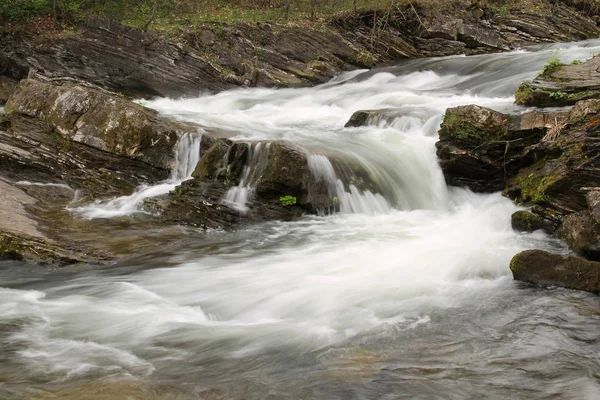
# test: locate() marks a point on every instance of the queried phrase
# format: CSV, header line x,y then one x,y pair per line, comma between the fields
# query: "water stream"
x,y
402,294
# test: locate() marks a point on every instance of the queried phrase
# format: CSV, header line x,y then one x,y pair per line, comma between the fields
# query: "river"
x,y
402,295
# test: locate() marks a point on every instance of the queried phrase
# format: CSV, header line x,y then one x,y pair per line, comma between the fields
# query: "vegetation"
x,y
158,13
459,128
287,200
551,65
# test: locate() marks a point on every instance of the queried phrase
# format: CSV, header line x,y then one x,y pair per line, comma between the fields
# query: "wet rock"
x,y
99,119
274,175
40,251
7,86
360,118
481,148
582,233
524,221
562,85
543,268
21,238
30,151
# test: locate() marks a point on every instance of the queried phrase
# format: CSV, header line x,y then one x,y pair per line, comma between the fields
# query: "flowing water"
x,y
403,294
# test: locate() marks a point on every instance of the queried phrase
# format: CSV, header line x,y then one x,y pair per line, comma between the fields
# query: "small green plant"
x,y
559,95
287,200
503,12
576,62
551,64
539,197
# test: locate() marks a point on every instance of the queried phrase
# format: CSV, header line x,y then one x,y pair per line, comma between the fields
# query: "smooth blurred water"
x,y
407,295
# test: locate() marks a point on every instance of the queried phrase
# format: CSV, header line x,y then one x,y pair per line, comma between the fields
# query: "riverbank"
x,y
216,55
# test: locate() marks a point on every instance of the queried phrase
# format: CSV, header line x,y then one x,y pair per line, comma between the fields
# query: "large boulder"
x,y
31,151
562,85
99,119
481,148
547,269
236,181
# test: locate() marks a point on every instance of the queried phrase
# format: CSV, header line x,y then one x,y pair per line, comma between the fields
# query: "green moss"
x,y
367,58
287,200
64,141
576,62
525,94
535,186
457,127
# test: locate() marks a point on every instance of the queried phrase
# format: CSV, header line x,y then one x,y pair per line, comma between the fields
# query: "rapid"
x,y
402,294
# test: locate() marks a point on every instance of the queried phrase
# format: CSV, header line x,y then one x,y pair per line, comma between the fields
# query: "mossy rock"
x,y
473,125
547,269
524,221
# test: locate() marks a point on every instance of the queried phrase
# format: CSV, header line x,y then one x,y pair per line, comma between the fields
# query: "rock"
x,y
565,167
481,148
385,116
118,58
593,202
99,119
215,56
562,85
47,252
543,268
582,233
359,118
274,174
524,221
30,151
21,239
7,86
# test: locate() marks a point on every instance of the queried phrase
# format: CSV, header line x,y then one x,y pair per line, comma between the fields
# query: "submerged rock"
x,y
562,85
543,268
99,119
481,148
361,118
524,221
22,239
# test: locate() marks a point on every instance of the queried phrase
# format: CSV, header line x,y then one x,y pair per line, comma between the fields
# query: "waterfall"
x,y
349,201
187,155
239,196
